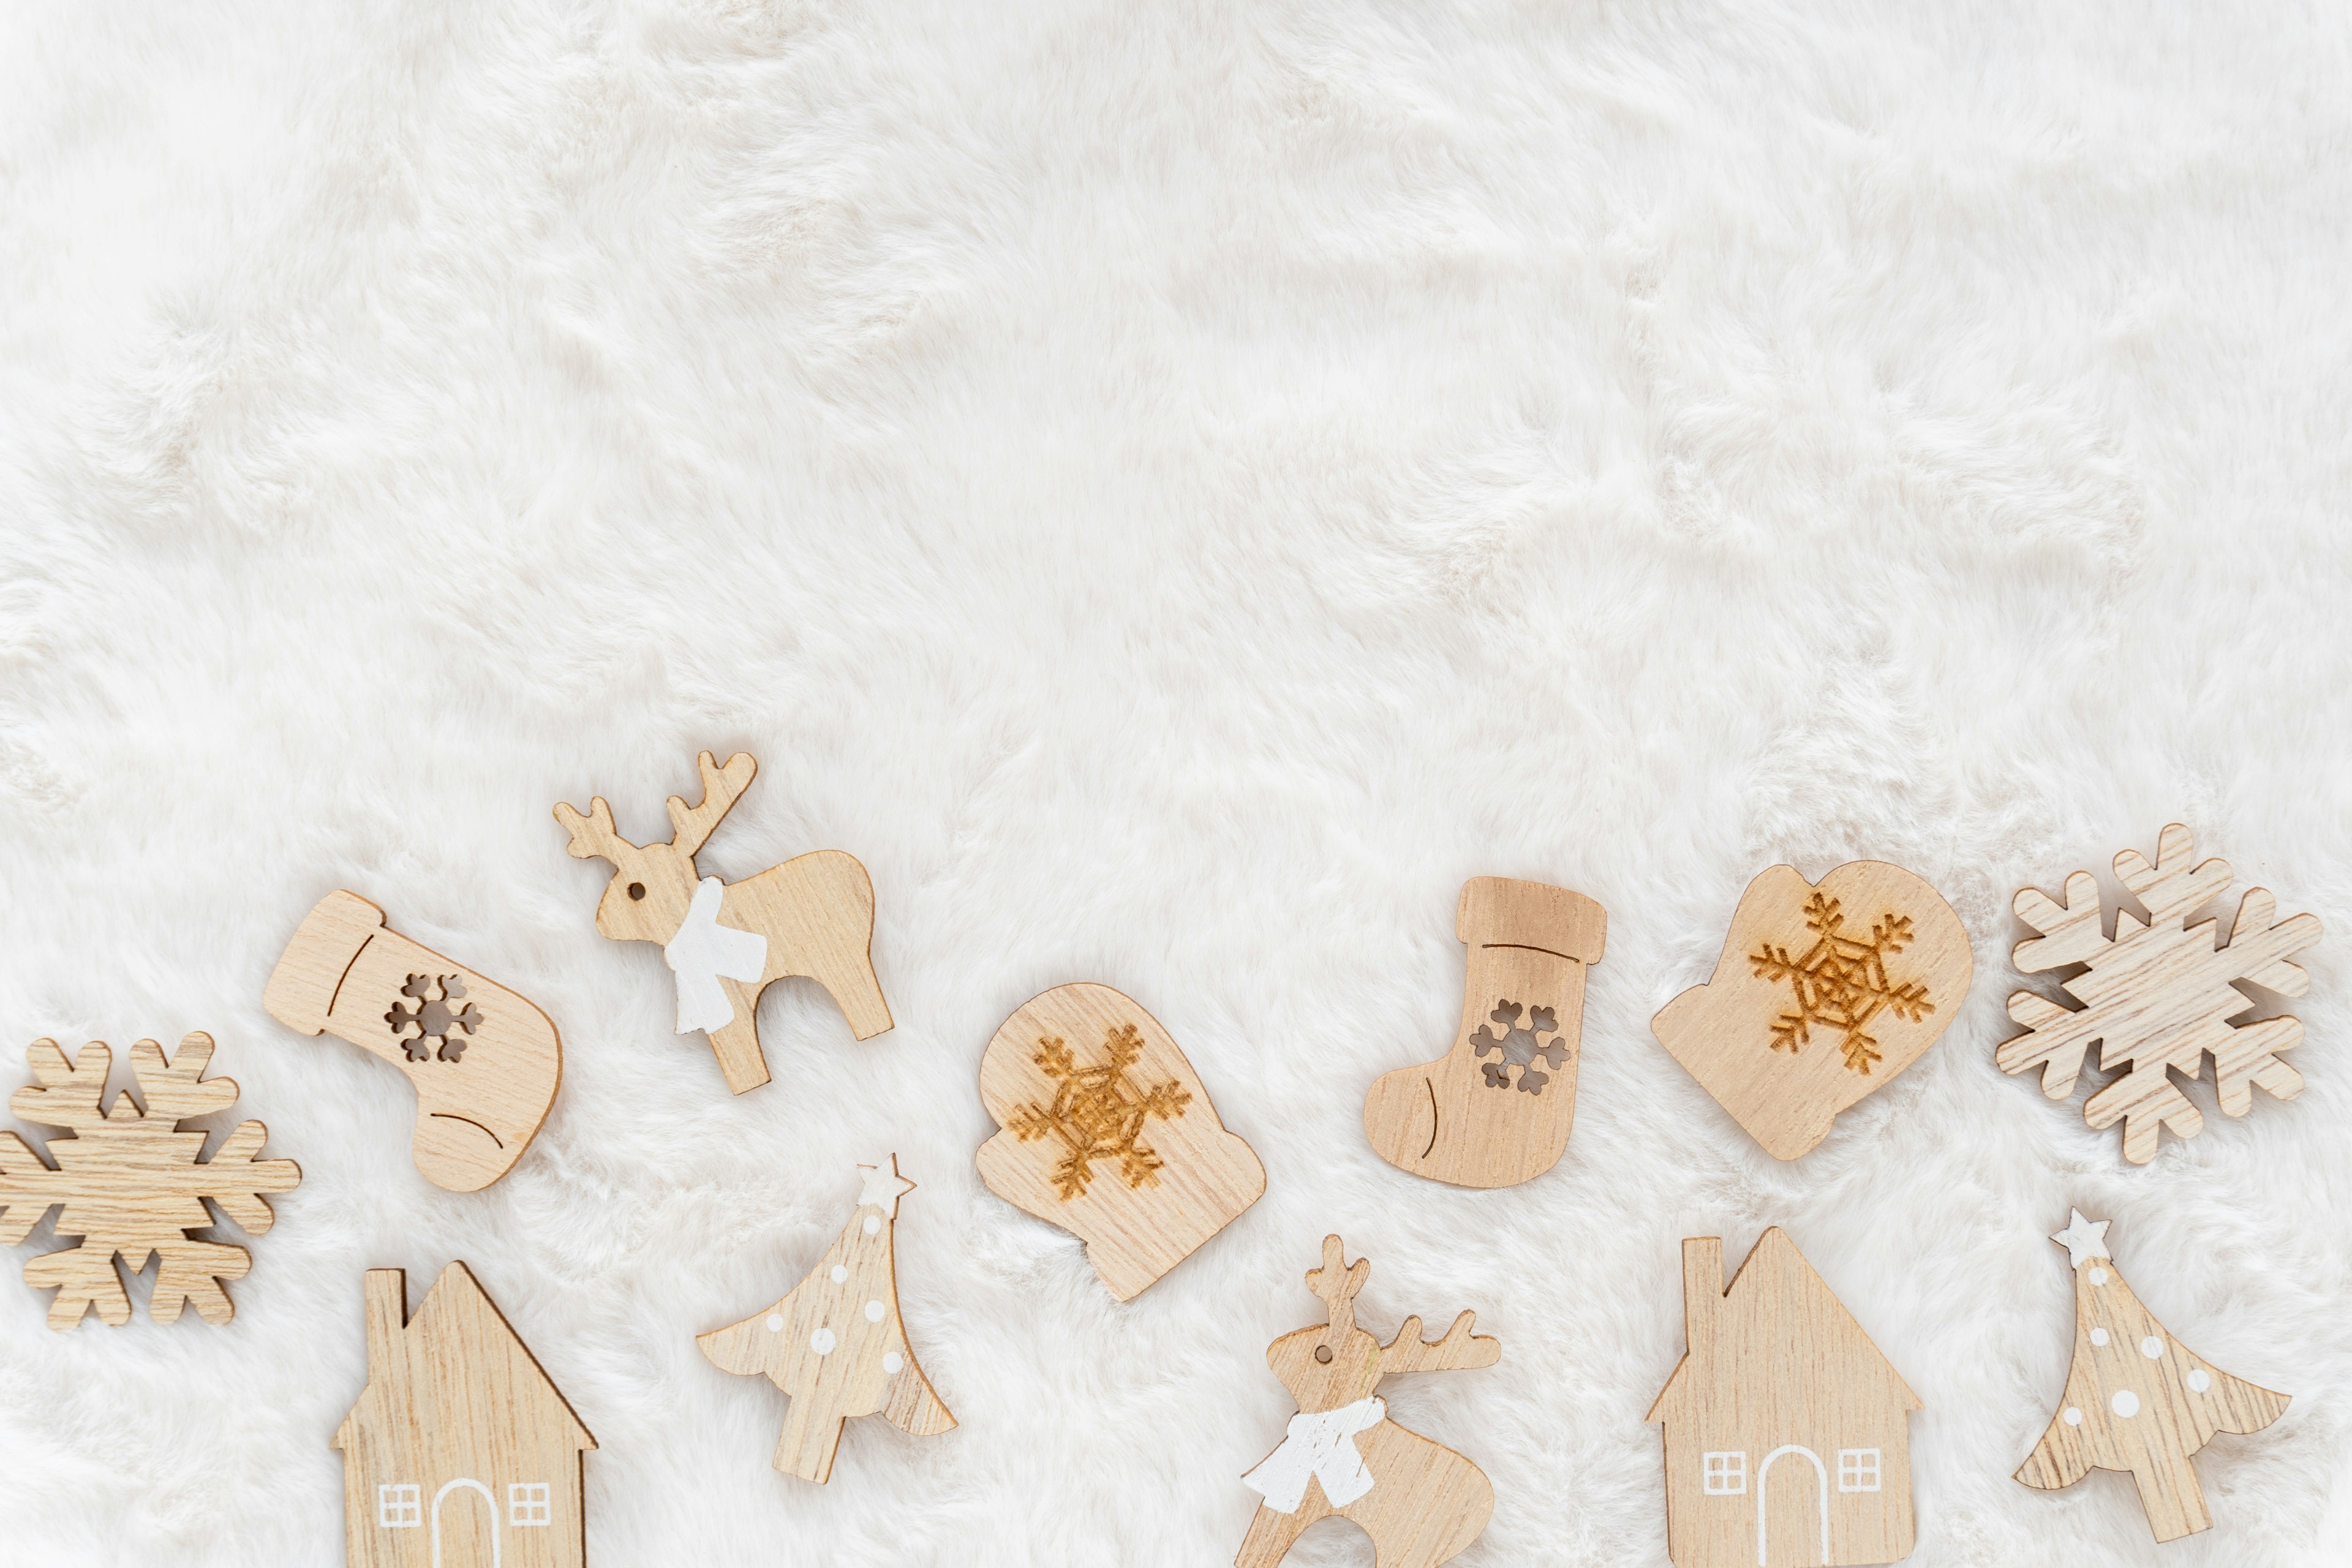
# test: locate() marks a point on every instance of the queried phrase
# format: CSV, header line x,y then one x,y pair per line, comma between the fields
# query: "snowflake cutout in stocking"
x,y
434,1020
1517,1047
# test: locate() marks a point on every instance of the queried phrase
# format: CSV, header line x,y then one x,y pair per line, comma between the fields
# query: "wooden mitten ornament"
x,y
1112,1138
1777,1375
484,1061
1420,1502
460,1449
1496,1108
131,1182
1823,993
2160,995
727,942
835,1343
2138,1399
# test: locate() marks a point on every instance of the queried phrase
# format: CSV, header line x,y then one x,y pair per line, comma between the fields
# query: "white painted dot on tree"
x,y
821,1342
2197,1382
839,1274
2151,1347
2098,1336
2098,1276
2074,1416
873,1312
2126,1403
873,1223
775,1323
892,1363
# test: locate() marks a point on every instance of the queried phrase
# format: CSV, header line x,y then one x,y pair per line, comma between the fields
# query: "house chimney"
x,y
1701,1295
387,1315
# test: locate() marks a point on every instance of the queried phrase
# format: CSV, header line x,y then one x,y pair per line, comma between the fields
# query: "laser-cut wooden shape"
x,y
1109,1134
2138,1399
1495,1110
835,1343
1823,993
1420,1502
727,941
461,1449
129,1181
1788,1435
2159,994
485,1062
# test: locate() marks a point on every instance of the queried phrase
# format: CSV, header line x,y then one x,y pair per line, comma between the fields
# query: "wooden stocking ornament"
x,y
1495,1110
1421,1502
835,1343
1109,1134
727,942
2159,995
2138,1399
461,1449
484,1061
1788,1435
130,1183
1823,993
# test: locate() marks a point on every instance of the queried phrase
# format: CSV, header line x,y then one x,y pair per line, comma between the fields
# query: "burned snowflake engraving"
x,y
1842,981
1520,1047
1098,1112
432,1018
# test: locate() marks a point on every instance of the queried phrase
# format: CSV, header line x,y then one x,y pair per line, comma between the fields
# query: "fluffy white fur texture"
x,y
1175,489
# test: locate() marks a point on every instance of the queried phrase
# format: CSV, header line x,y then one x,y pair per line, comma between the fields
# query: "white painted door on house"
x,y
465,1526
1793,1509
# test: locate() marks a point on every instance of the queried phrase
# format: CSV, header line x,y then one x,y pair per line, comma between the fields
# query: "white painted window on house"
x,y
1857,1469
397,1507
1723,1474
527,1504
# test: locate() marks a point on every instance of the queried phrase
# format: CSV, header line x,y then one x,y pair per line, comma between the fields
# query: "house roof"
x,y
458,1338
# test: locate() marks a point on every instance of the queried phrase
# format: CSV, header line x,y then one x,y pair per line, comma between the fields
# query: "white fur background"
x,y
1175,489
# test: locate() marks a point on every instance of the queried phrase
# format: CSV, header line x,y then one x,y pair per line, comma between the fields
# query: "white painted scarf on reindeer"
x,y
1320,1444
702,950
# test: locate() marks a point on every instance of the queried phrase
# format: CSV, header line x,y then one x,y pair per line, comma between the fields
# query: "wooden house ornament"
x,y
1421,1502
727,942
460,1449
1495,1110
1109,1133
1787,1434
484,1061
1822,995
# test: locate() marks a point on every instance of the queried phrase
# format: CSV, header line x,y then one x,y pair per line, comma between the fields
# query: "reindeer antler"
x,y
721,788
1459,1349
593,835
1338,1284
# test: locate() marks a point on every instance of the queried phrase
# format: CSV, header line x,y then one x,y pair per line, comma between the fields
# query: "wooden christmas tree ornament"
x,y
1109,1134
2138,1399
1823,993
1788,1435
1420,1502
835,1345
1495,1110
129,1183
484,1061
726,942
2159,994
461,1449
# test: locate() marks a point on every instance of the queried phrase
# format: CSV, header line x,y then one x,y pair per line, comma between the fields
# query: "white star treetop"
x,y
2083,1239
883,1187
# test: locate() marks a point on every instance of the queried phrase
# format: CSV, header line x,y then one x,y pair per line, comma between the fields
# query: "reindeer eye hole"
x,y
637,890
1323,1354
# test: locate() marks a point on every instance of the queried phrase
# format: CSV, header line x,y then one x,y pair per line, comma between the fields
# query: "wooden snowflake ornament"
x,y
2138,1399
1421,1502
835,1343
129,1183
2159,995
727,942
1109,1133
1823,993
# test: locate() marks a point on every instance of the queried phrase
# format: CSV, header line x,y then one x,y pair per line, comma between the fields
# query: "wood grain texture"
x,y
485,1062
1496,1108
2159,995
1109,1134
1787,1434
836,1342
815,911
1823,993
460,1449
1424,1503
131,1184
2138,1399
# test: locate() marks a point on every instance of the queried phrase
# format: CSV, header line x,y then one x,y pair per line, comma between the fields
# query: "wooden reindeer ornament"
x,y
484,1060
1420,1502
836,1342
726,942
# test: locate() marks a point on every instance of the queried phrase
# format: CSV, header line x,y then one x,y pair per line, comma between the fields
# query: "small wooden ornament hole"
x,y
1323,1354
637,890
